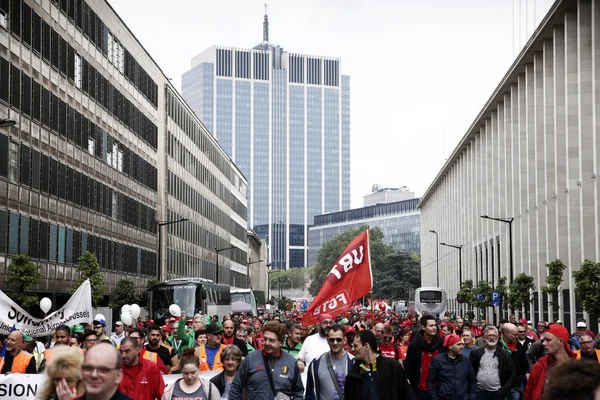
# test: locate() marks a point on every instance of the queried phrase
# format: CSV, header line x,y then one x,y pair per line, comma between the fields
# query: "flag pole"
x,y
369,242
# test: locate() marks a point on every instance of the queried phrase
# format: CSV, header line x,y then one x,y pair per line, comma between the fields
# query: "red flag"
x,y
349,280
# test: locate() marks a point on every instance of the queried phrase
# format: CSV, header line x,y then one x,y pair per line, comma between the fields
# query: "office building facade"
x,y
96,157
530,160
399,221
284,119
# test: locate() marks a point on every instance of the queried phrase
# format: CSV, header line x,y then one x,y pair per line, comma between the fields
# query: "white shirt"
x,y
313,347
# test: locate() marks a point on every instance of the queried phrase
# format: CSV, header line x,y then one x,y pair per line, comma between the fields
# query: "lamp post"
x,y
459,248
292,282
5,122
217,271
508,221
160,224
437,257
248,270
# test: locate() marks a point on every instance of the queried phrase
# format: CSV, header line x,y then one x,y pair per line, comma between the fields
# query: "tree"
x,y
125,293
553,280
483,290
153,282
331,251
285,304
502,288
587,287
295,278
23,273
467,293
520,291
397,276
89,268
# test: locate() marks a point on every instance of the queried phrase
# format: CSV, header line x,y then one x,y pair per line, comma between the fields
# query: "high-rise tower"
x,y
284,119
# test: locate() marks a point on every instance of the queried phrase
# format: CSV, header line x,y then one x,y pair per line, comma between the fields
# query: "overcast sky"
x,y
420,70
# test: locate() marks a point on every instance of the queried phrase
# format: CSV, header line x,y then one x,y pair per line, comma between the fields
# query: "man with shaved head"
x,y
16,360
378,331
511,335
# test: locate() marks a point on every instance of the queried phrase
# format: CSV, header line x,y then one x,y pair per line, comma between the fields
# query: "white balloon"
x,y
126,318
135,311
99,317
45,304
125,309
175,310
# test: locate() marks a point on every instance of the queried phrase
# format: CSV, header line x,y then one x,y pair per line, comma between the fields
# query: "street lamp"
x,y
508,221
5,122
437,257
459,247
218,251
160,224
248,270
292,282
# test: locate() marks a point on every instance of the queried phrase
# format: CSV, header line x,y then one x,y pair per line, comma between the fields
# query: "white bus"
x,y
430,299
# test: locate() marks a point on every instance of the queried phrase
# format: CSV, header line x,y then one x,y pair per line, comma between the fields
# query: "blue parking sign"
x,y
496,298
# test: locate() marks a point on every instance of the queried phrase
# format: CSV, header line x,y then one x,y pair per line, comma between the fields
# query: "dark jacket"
x,y
519,358
313,385
391,381
506,368
451,379
414,356
219,382
534,353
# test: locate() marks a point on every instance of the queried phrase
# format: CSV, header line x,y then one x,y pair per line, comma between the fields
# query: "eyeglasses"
x,y
586,343
91,340
89,369
335,340
387,338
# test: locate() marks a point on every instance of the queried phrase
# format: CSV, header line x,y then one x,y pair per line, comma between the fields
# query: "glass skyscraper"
x,y
284,119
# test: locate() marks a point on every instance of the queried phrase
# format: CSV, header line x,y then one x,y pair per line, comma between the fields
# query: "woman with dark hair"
x,y
231,356
192,385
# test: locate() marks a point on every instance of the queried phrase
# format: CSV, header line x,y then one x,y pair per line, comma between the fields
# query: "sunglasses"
x,y
522,331
335,340
387,338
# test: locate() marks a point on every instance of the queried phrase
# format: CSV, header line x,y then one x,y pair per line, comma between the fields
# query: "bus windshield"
x,y
430,296
184,296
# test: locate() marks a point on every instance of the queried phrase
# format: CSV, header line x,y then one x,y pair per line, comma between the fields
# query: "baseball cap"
x,y
171,320
581,324
99,321
167,328
523,321
119,323
213,329
451,340
27,338
344,321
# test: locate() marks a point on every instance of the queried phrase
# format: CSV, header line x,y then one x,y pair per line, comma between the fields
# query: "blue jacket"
x,y
451,379
313,386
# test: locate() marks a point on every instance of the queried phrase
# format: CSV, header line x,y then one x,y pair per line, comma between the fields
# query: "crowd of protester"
x,y
361,354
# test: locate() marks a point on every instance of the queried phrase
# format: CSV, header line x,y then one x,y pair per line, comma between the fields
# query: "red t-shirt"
x,y
390,351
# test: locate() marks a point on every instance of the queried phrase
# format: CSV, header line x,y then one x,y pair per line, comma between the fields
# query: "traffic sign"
x,y
496,300
479,297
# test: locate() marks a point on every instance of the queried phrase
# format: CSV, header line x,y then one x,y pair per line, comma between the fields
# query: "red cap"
x,y
561,332
349,329
172,319
451,339
523,321
325,316
151,321
190,320
167,328
369,315
244,321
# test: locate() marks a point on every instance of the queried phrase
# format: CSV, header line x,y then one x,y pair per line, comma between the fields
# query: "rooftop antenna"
x,y
266,27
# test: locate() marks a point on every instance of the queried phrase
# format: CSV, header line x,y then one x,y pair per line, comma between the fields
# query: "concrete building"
x,y
529,157
399,221
103,147
284,118
383,195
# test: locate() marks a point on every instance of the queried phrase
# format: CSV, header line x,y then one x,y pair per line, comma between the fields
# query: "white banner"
x,y
24,386
77,310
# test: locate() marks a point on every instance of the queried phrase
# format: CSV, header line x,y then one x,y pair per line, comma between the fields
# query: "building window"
x,y
78,71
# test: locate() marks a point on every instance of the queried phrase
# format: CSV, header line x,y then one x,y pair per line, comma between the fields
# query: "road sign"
x,y
460,300
495,298
479,297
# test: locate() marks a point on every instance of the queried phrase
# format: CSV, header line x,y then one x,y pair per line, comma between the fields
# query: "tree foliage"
x,y
483,289
88,268
152,282
520,291
293,277
467,292
331,251
502,288
554,280
285,304
23,273
397,276
587,287
125,293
